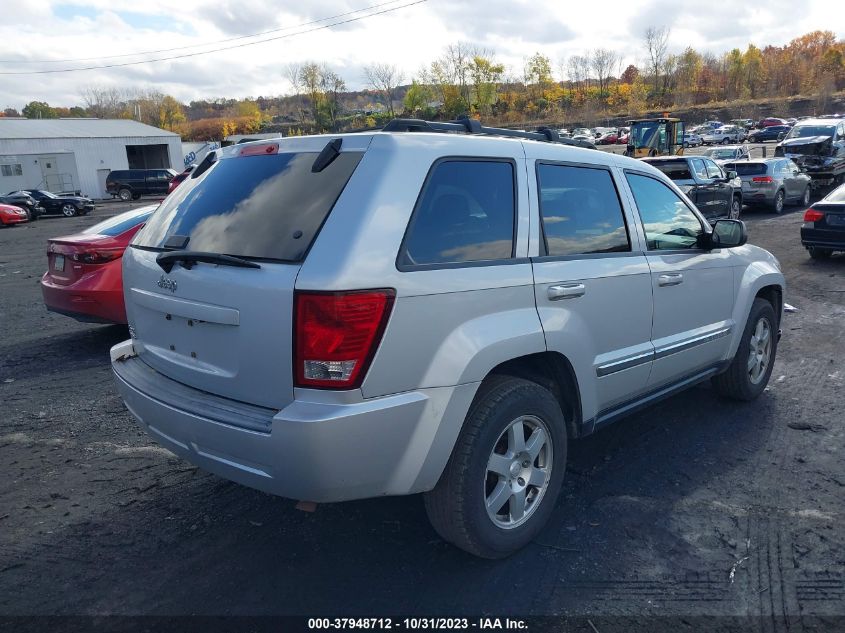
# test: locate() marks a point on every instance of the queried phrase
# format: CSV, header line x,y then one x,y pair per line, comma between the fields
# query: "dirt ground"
x,y
695,507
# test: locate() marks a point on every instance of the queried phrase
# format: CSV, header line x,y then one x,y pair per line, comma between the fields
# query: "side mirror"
x,y
728,234
731,175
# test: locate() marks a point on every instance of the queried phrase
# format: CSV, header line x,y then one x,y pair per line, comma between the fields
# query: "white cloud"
x,y
410,37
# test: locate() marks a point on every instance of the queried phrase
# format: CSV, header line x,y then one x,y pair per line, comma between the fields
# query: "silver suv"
x,y
411,311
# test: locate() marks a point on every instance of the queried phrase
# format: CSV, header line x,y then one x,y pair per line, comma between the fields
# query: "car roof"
x,y
819,121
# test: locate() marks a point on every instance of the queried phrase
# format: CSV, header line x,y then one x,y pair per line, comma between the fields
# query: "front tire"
x,y
68,210
501,483
736,207
749,371
805,199
124,194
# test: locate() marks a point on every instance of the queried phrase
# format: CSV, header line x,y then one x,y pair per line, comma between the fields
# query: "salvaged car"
x,y
817,146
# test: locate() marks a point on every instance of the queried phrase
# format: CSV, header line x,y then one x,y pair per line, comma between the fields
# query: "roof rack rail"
x,y
465,125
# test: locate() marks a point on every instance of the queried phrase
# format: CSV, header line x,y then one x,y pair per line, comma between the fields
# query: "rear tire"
x,y
819,253
124,194
777,205
749,371
494,465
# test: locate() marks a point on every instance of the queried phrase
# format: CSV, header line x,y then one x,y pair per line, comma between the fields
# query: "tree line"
x,y
468,79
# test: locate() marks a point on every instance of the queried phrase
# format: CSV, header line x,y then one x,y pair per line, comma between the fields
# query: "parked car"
x,y
83,278
773,182
691,139
770,133
60,204
11,215
818,147
24,201
178,178
730,153
608,138
823,231
131,184
717,194
725,134
771,121
360,315
746,124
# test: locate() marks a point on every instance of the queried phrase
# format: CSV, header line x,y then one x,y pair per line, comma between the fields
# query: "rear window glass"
x,y
265,207
465,214
121,223
747,169
675,169
837,195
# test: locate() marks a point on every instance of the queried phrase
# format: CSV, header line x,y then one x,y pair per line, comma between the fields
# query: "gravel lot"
x,y
697,506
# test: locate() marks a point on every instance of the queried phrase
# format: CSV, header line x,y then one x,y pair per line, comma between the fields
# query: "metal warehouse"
x,y
64,155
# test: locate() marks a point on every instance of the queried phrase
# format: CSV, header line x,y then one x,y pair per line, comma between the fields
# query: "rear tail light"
x,y
259,150
97,257
811,215
336,335
766,179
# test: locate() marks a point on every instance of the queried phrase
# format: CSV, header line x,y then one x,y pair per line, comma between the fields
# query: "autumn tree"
x,y
602,63
656,44
385,80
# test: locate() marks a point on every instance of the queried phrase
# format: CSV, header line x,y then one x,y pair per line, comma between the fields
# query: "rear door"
x,y
693,288
157,181
587,270
222,329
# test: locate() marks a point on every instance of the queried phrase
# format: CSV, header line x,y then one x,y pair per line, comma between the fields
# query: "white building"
x,y
77,154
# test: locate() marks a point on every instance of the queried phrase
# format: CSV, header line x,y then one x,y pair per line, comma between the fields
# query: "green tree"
x,y
417,97
39,110
485,75
538,74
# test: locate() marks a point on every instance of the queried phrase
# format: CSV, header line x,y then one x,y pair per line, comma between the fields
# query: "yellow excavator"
x,y
655,137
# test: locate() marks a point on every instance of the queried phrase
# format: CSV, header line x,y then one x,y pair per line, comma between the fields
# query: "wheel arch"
x,y
762,280
553,371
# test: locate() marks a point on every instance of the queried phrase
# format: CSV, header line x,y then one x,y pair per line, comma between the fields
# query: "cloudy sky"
x,y
39,35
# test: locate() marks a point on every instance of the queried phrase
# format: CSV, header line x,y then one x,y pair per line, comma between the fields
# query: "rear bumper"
x,y
821,238
84,304
13,219
317,450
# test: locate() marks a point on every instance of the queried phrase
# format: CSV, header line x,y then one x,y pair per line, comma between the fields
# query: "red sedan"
x,y
83,278
10,215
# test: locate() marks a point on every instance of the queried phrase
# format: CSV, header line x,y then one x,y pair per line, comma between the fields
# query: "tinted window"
x,y
269,206
580,210
747,169
837,195
675,169
465,214
121,223
803,131
668,222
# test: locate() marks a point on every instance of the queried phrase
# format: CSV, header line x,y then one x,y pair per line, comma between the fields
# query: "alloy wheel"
x,y
760,351
736,208
69,210
518,472
779,202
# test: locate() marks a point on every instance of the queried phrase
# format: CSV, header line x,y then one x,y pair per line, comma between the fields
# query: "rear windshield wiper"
x,y
188,258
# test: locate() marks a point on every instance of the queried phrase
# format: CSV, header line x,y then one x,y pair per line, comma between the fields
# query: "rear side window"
x,y
581,211
465,214
264,206
675,169
747,169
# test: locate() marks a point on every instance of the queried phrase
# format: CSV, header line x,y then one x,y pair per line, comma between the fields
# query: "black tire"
x,y
457,505
736,382
69,210
819,253
124,194
725,141
805,198
136,196
779,202
736,208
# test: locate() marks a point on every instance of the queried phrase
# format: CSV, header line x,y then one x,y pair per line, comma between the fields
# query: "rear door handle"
x,y
670,279
566,291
